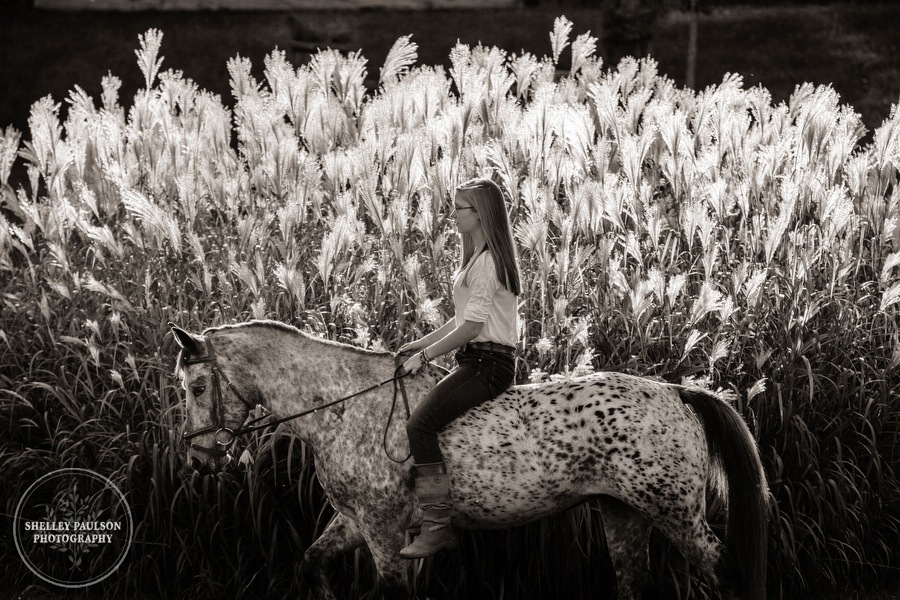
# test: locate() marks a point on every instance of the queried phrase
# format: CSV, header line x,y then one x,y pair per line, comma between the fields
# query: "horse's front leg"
x,y
339,537
385,538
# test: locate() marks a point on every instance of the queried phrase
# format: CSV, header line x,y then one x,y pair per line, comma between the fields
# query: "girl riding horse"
x,y
483,332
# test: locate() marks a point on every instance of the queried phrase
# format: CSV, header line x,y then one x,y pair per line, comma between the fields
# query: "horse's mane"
x,y
291,330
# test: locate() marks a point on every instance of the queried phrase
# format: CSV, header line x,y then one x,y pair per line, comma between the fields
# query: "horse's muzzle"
x,y
204,464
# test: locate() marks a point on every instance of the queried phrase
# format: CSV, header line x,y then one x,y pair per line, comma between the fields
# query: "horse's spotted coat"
x,y
540,447
530,453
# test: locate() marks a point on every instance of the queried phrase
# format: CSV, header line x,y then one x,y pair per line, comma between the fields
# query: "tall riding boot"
x,y
433,492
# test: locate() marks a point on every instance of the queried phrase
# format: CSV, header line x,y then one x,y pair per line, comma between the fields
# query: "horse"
x,y
647,450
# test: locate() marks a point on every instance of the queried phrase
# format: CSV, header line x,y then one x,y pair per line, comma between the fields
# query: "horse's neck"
x,y
306,373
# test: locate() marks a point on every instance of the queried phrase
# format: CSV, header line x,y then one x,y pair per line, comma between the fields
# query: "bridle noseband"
x,y
225,437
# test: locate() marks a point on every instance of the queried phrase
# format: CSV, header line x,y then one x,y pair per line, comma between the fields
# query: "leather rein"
x,y
225,437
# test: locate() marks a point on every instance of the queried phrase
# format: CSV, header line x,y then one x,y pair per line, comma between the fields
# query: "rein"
x,y
224,437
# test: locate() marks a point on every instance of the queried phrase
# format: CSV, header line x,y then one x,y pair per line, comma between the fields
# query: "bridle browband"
x,y
224,437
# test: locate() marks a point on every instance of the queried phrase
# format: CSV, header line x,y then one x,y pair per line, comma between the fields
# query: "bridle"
x,y
225,437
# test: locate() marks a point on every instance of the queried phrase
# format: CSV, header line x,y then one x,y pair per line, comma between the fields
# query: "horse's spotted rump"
x,y
632,443
541,446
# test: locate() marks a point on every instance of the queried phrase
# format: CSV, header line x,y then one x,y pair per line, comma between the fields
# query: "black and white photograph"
x,y
450,300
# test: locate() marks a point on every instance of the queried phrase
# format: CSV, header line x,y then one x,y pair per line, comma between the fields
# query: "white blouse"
x,y
486,301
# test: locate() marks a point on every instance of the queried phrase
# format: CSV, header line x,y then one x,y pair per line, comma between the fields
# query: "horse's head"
x,y
215,407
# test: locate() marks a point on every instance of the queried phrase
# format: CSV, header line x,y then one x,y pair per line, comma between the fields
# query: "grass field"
x,y
744,237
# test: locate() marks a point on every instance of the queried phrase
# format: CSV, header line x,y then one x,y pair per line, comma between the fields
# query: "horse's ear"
x,y
191,344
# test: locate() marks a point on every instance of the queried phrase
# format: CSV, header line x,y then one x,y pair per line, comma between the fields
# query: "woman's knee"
x,y
419,424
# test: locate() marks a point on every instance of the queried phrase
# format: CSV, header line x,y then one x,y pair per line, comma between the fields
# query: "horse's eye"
x,y
198,390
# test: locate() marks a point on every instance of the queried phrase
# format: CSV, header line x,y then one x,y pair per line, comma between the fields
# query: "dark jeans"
x,y
480,376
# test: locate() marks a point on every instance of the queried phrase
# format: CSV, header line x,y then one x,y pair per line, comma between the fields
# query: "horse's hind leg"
x,y
699,545
340,536
627,538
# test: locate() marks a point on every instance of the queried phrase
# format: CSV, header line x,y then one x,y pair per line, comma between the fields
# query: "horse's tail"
x,y
732,446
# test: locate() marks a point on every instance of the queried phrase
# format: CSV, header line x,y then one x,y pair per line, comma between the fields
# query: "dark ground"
x,y
854,47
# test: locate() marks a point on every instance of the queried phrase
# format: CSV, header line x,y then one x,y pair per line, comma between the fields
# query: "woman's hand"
x,y
410,348
414,363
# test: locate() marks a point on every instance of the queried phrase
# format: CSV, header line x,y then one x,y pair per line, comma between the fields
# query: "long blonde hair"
x,y
487,199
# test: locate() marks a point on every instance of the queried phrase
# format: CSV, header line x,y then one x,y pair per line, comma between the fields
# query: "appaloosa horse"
x,y
648,450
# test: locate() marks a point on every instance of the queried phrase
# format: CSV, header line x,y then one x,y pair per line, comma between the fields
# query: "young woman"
x,y
483,332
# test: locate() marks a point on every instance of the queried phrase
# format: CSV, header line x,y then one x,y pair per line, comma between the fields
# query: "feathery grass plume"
x,y
587,213
536,134
410,163
429,89
847,133
675,287
718,197
326,125
411,269
890,297
33,214
464,72
46,137
282,80
82,117
559,37
576,128
758,387
720,351
247,277
525,68
788,195
605,98
891,261
531,233
402,55
709,300
9,147
895,352
672,128
502,167
11,238
635,104
494,83
816,114
110,84
241,81
397,226
836,211
92,284
694,337
691,217
104,236
160,225
583,49
753,287
656,281
148,57
291,280
886,152
347,80
710,257
633,151
641,300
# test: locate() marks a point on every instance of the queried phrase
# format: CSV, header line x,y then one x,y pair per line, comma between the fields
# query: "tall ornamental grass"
x,y
668,232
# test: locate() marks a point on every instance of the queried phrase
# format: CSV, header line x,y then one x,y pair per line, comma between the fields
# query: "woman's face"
x,y
467,219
